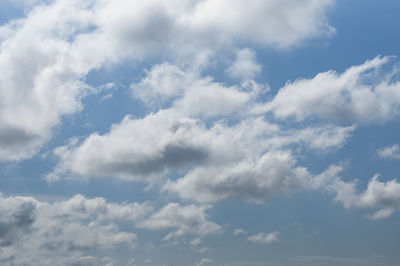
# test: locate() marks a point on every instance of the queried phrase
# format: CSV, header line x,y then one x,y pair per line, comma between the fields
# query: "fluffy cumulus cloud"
x,y
207,135
188,220
362,94
45,56
263,238
390,152
63,233
87,231
383,196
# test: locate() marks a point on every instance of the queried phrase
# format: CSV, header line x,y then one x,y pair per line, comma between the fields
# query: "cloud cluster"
x,y
206,134
45,56
83,231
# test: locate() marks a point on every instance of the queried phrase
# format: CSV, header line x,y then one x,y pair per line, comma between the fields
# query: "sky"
x,y
199,132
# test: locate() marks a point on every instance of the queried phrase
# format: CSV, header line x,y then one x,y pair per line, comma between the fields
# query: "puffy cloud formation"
x,y
245,65
186,220
391,152
86,231
63,233
384,196
264,238
362,94
45,56
206,135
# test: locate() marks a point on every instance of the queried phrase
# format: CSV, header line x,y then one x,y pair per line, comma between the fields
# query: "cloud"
x,y
362,94
391,152
40,80
249,158
82,231
188,220
65,232
272,174
267,22
239,231
265,239
205,131
384,196
46,55
245,65
188,93
204,261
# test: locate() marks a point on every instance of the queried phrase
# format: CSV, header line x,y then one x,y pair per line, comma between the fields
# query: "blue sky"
x,y
201,132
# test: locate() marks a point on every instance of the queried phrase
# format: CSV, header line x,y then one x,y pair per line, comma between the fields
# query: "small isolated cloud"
x,y
132,262
239,231
384,196
263,238
382,214
205,261
362,94
391,152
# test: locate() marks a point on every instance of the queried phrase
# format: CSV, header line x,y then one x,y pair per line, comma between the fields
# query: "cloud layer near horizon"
x,y
82,230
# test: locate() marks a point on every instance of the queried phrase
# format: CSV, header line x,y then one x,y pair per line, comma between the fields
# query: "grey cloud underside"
x,y
172,156
16,138
18,222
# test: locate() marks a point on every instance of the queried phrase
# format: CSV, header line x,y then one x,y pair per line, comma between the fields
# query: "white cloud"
x,y
382,214
282,23
89,231
250,159
191,94
362,94
204,261
272,174
188,220
66,232
162,83
245,66
391,152
40,77
45,56
143,149
262,238
384,196
239,231
206,130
